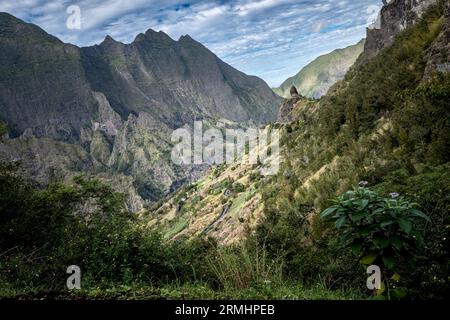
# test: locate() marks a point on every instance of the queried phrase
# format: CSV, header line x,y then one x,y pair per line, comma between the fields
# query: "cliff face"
x,y
438,55
332,143
174,81
110,109
43,88
395,16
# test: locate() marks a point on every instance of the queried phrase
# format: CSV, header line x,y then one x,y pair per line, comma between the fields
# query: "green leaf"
x,y
381,242
397,243
328,211
363,203
396,277
356,248
358,216
405,225
389,262
340,222
399,293
386,223
368,259
420,214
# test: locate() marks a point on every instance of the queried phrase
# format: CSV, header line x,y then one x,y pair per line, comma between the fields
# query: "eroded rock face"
x,y
285,113
395,16
109,110
438,55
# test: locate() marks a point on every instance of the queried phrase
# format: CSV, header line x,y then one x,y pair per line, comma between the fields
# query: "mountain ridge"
x,y
314,80
118,102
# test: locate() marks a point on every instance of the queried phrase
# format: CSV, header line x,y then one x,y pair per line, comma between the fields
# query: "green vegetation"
x,y
384,124
380,232
43,231
315,79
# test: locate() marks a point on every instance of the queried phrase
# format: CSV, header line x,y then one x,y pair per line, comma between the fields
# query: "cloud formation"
x,y
272,39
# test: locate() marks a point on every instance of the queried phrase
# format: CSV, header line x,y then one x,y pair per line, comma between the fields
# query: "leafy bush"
x,y
378,230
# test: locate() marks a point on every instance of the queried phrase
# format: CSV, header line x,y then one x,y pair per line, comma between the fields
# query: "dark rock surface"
x,y
285,112
109,109
395,16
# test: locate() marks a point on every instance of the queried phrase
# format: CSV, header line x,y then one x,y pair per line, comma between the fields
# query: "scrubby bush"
x,y
380,231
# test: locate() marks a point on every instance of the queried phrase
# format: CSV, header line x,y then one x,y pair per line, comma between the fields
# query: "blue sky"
x,y
272,39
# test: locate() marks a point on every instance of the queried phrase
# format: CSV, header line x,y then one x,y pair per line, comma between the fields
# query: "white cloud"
x,y
269,38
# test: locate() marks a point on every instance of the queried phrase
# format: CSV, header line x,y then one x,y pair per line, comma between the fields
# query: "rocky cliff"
x,y
395,16
109,109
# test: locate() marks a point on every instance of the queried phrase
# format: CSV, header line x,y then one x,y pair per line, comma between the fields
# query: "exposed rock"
x,y
438,56
294,91
285,112
395,16
110,109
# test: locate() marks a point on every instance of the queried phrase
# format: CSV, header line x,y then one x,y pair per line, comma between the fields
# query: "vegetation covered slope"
x,y
314,80
386,123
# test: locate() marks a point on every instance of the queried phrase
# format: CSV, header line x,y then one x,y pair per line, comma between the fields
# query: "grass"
x,y
180,225
194,291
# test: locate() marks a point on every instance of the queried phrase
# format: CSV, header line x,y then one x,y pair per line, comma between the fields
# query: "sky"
x,y
272,39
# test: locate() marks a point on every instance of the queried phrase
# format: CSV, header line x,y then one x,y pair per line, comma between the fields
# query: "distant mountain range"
x,y
109,109
314,80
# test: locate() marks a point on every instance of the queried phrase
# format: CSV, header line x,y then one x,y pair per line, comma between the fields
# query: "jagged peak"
x,y
110,42
108,38
157,35
186,38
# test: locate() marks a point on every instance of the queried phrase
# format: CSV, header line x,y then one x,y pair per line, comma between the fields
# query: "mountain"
x,y
314,80
387,122
110,109
395,17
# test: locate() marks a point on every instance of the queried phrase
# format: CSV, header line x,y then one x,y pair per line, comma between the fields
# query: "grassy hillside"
x,y
238,234
314,80
384,123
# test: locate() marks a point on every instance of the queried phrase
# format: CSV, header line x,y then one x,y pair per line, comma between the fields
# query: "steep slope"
x,y
394,17
116,104
174,81
314,80
43,84
388,120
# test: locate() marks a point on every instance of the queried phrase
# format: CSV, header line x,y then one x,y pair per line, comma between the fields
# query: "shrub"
x,y
378,230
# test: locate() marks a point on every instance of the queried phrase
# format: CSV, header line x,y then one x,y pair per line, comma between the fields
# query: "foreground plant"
x,y
380,231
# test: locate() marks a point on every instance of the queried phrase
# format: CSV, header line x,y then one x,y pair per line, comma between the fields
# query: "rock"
x,y
395,16
294,92
285,111
110,109
438,55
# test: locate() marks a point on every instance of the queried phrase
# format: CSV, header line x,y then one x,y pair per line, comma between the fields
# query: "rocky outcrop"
x,y
438,55
395,16
285,111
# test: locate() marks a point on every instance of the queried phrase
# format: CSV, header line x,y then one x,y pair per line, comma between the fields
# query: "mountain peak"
x,y
159,36
109,39
186,38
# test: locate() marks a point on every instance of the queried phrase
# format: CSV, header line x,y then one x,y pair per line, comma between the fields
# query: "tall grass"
x,y
242,267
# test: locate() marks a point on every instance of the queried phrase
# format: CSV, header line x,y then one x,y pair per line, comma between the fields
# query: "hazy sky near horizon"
x,y
272,39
